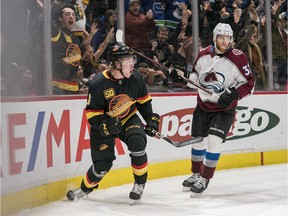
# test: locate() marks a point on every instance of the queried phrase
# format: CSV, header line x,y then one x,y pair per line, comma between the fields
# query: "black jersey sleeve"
x,y
144,100
95,107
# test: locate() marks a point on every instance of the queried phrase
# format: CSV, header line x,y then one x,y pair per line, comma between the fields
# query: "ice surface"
x,y
255,191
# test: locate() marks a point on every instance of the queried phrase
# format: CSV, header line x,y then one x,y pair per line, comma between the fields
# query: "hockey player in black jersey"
x,y
107,93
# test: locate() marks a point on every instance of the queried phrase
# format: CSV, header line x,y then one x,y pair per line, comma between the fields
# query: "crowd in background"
x,y
160,31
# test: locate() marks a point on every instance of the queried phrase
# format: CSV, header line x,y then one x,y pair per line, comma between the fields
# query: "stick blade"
x,y
189,142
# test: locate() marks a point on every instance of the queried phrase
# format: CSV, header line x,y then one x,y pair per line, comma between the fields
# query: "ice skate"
x,y
136,193
199,186
76,193
187,184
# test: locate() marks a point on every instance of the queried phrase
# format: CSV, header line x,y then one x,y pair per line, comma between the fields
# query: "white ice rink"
x,y
255,191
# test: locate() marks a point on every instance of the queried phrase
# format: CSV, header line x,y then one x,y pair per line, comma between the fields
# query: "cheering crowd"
x,y
83,32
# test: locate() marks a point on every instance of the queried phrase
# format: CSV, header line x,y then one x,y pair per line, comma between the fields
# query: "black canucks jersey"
x,y
66,59
104,88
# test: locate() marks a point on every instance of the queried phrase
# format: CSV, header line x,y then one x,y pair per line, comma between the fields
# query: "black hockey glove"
x,y
227,98
110,126
152,124
175,76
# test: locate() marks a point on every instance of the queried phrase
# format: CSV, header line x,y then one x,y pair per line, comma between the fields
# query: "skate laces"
x,y
138,189
201,183
79,193
193,178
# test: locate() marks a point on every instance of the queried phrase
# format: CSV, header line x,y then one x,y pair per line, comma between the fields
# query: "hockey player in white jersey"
x,y
226,73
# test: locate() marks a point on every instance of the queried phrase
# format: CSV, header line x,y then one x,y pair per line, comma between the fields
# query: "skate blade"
x,y
133,202
194,195
67,200
186,189
75,199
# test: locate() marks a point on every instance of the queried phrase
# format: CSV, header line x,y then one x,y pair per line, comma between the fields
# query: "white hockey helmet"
x,y
222,29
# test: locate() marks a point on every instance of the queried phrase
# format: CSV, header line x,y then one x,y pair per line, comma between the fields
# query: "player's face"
x,y
223,42
128,66
68,18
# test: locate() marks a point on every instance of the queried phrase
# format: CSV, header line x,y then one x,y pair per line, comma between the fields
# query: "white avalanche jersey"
x,y
219,72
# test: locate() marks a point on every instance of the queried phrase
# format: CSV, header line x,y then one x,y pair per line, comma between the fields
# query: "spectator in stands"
x,y
159,8
279,44
137,28
90,58
101,65
251,44
242,4
22,77
88,62
160,49
185,51
66,52
105,24
174,10
151,76
80,24
83,88
251,13
97,8
183,18
207,22
78,29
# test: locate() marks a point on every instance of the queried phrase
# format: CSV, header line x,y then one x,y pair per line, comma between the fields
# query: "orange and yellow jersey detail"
x,y
57,37
85,2
106,75
66,85
88,183
144,99
92,113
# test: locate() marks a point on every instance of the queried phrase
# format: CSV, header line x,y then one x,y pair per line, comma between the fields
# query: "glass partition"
x,y
76,36
22,62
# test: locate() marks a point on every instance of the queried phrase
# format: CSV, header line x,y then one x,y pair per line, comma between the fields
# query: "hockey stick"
x,y
198,86
119,107
119,39
178,144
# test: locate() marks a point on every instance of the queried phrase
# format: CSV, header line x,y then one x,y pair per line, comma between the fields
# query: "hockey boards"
x,y
178,144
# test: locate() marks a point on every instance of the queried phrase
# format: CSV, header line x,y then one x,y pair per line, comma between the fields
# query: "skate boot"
x,y
199,186
76,193
187,184
136,192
